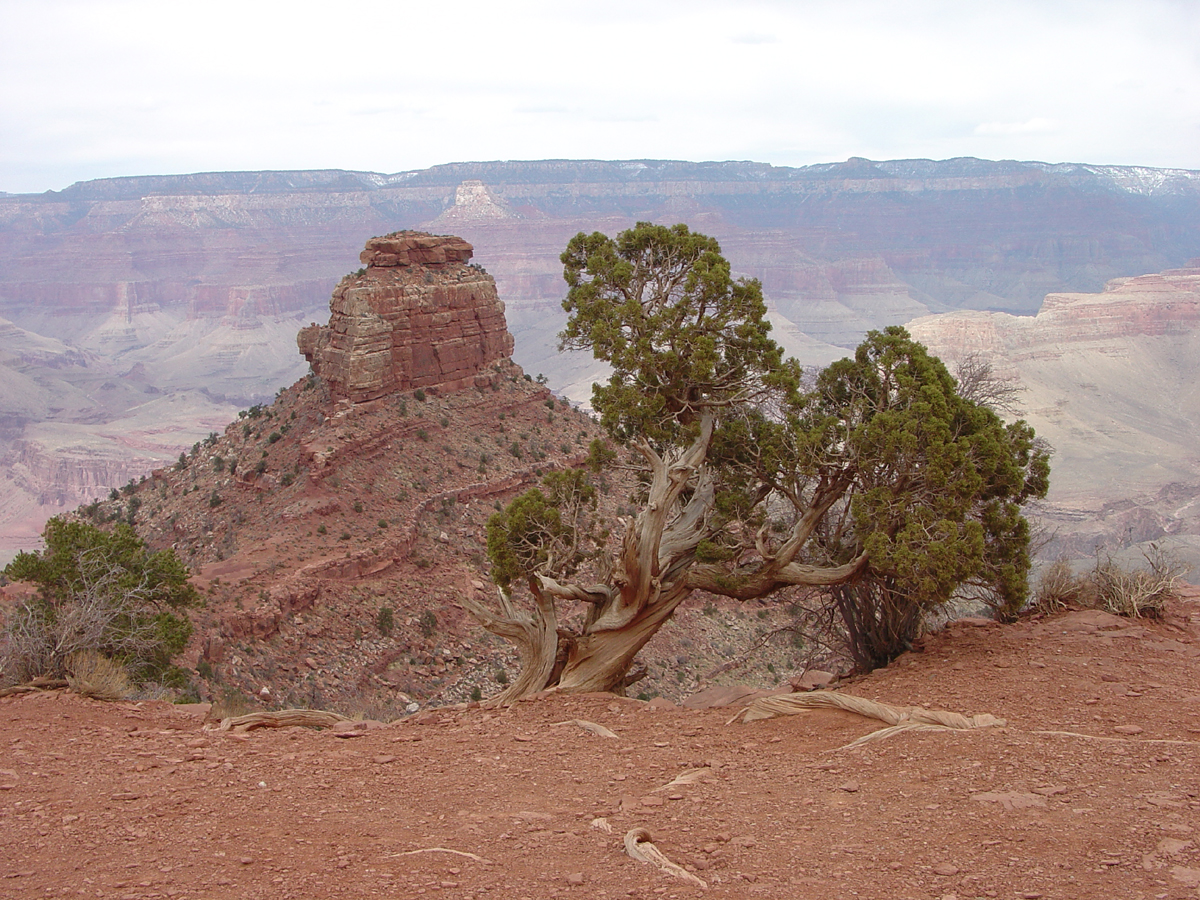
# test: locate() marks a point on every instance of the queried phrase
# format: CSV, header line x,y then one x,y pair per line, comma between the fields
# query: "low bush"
x,y
1124,591
101,593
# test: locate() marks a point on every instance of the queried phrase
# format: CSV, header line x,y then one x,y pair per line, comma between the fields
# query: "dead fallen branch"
x,y
486,862
32,687
638,846
691,776
284,718
595,729
1120,740
896,718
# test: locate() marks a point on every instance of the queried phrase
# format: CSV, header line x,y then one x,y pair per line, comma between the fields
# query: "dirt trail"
x,y
140,801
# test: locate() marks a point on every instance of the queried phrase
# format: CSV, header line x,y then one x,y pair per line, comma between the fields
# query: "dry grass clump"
x,y
1130,592
97,676
1057,588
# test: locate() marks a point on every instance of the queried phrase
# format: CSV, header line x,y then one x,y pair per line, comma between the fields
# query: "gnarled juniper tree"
x,y
878,473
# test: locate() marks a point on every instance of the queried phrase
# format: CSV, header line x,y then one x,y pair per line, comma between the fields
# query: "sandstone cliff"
x,y
417,317
1112,380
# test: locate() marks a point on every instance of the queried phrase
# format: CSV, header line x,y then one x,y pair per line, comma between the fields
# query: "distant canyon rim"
x,y
137,315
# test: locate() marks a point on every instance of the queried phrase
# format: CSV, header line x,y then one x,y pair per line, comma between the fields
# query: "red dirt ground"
x,y
146,801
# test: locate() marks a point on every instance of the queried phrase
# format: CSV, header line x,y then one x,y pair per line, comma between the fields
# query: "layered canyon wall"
x,y
165,303
1112,381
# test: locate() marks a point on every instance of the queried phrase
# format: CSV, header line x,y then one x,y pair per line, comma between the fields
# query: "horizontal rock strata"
x,y
418,316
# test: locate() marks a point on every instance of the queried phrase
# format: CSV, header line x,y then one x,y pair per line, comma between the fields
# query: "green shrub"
x,y
419,395
476,694
501,677
358,507
428,623
321,529
273,437
214,499
99,592
385,620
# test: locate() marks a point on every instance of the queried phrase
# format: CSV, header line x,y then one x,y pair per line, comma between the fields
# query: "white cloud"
x,y
89,89
1032,126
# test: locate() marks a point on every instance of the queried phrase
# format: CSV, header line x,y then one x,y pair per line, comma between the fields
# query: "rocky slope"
x,y
334,530
1110,379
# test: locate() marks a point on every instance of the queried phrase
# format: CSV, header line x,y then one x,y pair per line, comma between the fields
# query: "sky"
x,y
98,89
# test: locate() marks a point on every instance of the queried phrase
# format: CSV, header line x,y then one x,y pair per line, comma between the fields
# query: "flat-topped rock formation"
x,y
418,316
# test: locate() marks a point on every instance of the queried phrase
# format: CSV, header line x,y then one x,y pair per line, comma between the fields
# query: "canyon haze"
x,y
137,315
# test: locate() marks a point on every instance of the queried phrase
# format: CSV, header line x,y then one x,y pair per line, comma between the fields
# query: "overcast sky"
x,y
96,89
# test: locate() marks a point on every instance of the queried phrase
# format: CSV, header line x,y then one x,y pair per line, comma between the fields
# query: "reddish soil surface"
x,y
146,800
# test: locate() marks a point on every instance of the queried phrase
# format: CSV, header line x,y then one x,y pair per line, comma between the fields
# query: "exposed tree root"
x,y
897,718
638,846
1120,740
477,858
312,718
598,730
691,776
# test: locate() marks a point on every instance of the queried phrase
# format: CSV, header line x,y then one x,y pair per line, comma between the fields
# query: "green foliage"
x,y
544,528
98,591
660,307
385,620
419,395
273,437
877,476
938,486
428,623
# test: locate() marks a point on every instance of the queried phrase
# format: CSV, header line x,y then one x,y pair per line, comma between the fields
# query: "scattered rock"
x,y
1128,729
813,680
945,869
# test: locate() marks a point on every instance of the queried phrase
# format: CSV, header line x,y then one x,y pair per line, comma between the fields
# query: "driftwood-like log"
x,y
284,718
32,687
638,846
896,718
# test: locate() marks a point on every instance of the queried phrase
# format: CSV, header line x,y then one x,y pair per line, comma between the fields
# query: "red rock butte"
x,y
418,316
